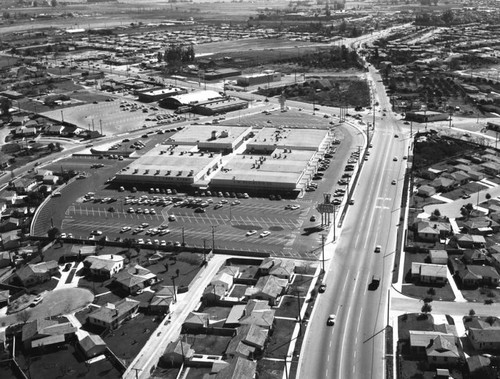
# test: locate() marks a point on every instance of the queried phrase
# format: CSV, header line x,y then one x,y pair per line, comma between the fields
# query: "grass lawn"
x,y
300,283
238,290
217,313
46,286
306,268
131,336
95,285
479,295
107,298
420,291
66,362
289,306
270,369
207,344
187,271
197,372
280,339
165,373
410,321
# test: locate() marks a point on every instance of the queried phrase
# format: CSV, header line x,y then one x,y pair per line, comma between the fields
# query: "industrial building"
x,y
264,77
223,139
170,165
426,116
218,106
158,94
268,139
190,99
221,73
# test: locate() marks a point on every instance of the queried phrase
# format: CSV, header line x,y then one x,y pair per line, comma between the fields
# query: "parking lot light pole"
x,y
183,241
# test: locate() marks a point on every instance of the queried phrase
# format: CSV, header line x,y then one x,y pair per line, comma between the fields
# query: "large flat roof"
x,y
194,134
156,163
304,139
274,169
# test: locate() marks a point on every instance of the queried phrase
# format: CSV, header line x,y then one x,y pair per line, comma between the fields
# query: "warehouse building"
x,y
158,94
221,73
177,166
215,138
219,106
268,139
190,99
426,116
264,77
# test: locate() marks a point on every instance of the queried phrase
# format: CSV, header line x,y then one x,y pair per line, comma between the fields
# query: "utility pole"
x,y
183,241
213,239
175,292
322,254
136,370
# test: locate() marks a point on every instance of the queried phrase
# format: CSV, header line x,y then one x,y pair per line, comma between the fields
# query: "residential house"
x,y
223,280
3,206
481,225
475,256
476,175
5,259
4,298
484,339
443,184
54,129
281,268
494,260
196,321
33,274
421,339
92,345
439,257
429,273
213,293
160,303
257,312
79,252
177,353
475,276
234,271
479,367
239,368
10,240
468,241
491,168
104,266
443,351
10,198
135,278
111,315
459,177
426,191
42,173
23,185
249,342
268,288
43,332
433,231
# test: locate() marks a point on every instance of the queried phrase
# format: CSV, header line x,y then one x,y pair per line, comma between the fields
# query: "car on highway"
x,y
378,248
322,288
393,182
251,232
396,136
351,202
395,159
331,320
313,218
265,233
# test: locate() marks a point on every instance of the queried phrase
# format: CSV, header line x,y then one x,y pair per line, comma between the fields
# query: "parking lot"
x,y
292,231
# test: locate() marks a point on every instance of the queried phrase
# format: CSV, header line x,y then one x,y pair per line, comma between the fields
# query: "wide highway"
x,y
355,346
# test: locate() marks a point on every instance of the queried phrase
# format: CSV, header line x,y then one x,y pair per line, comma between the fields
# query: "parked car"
x,y
265,233
251,233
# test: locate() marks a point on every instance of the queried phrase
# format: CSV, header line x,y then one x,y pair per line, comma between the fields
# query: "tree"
x,y
426,308
166,267
5,105
487,196
52,233
448,17
436,212
23,316
472,312
431,291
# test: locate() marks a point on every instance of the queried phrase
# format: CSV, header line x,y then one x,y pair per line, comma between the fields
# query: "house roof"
x,y
223,278
278,266
133,276
263,318
104,262
34,269
429,269
215,289
90,341
485,335
165,291
443,346
470,238
44,327
271,285
239,368
181,348
109,312
476,362
422,338
83,250
197,318
237,311
158,301
438,254
432,227
483,271
231,270
442,182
